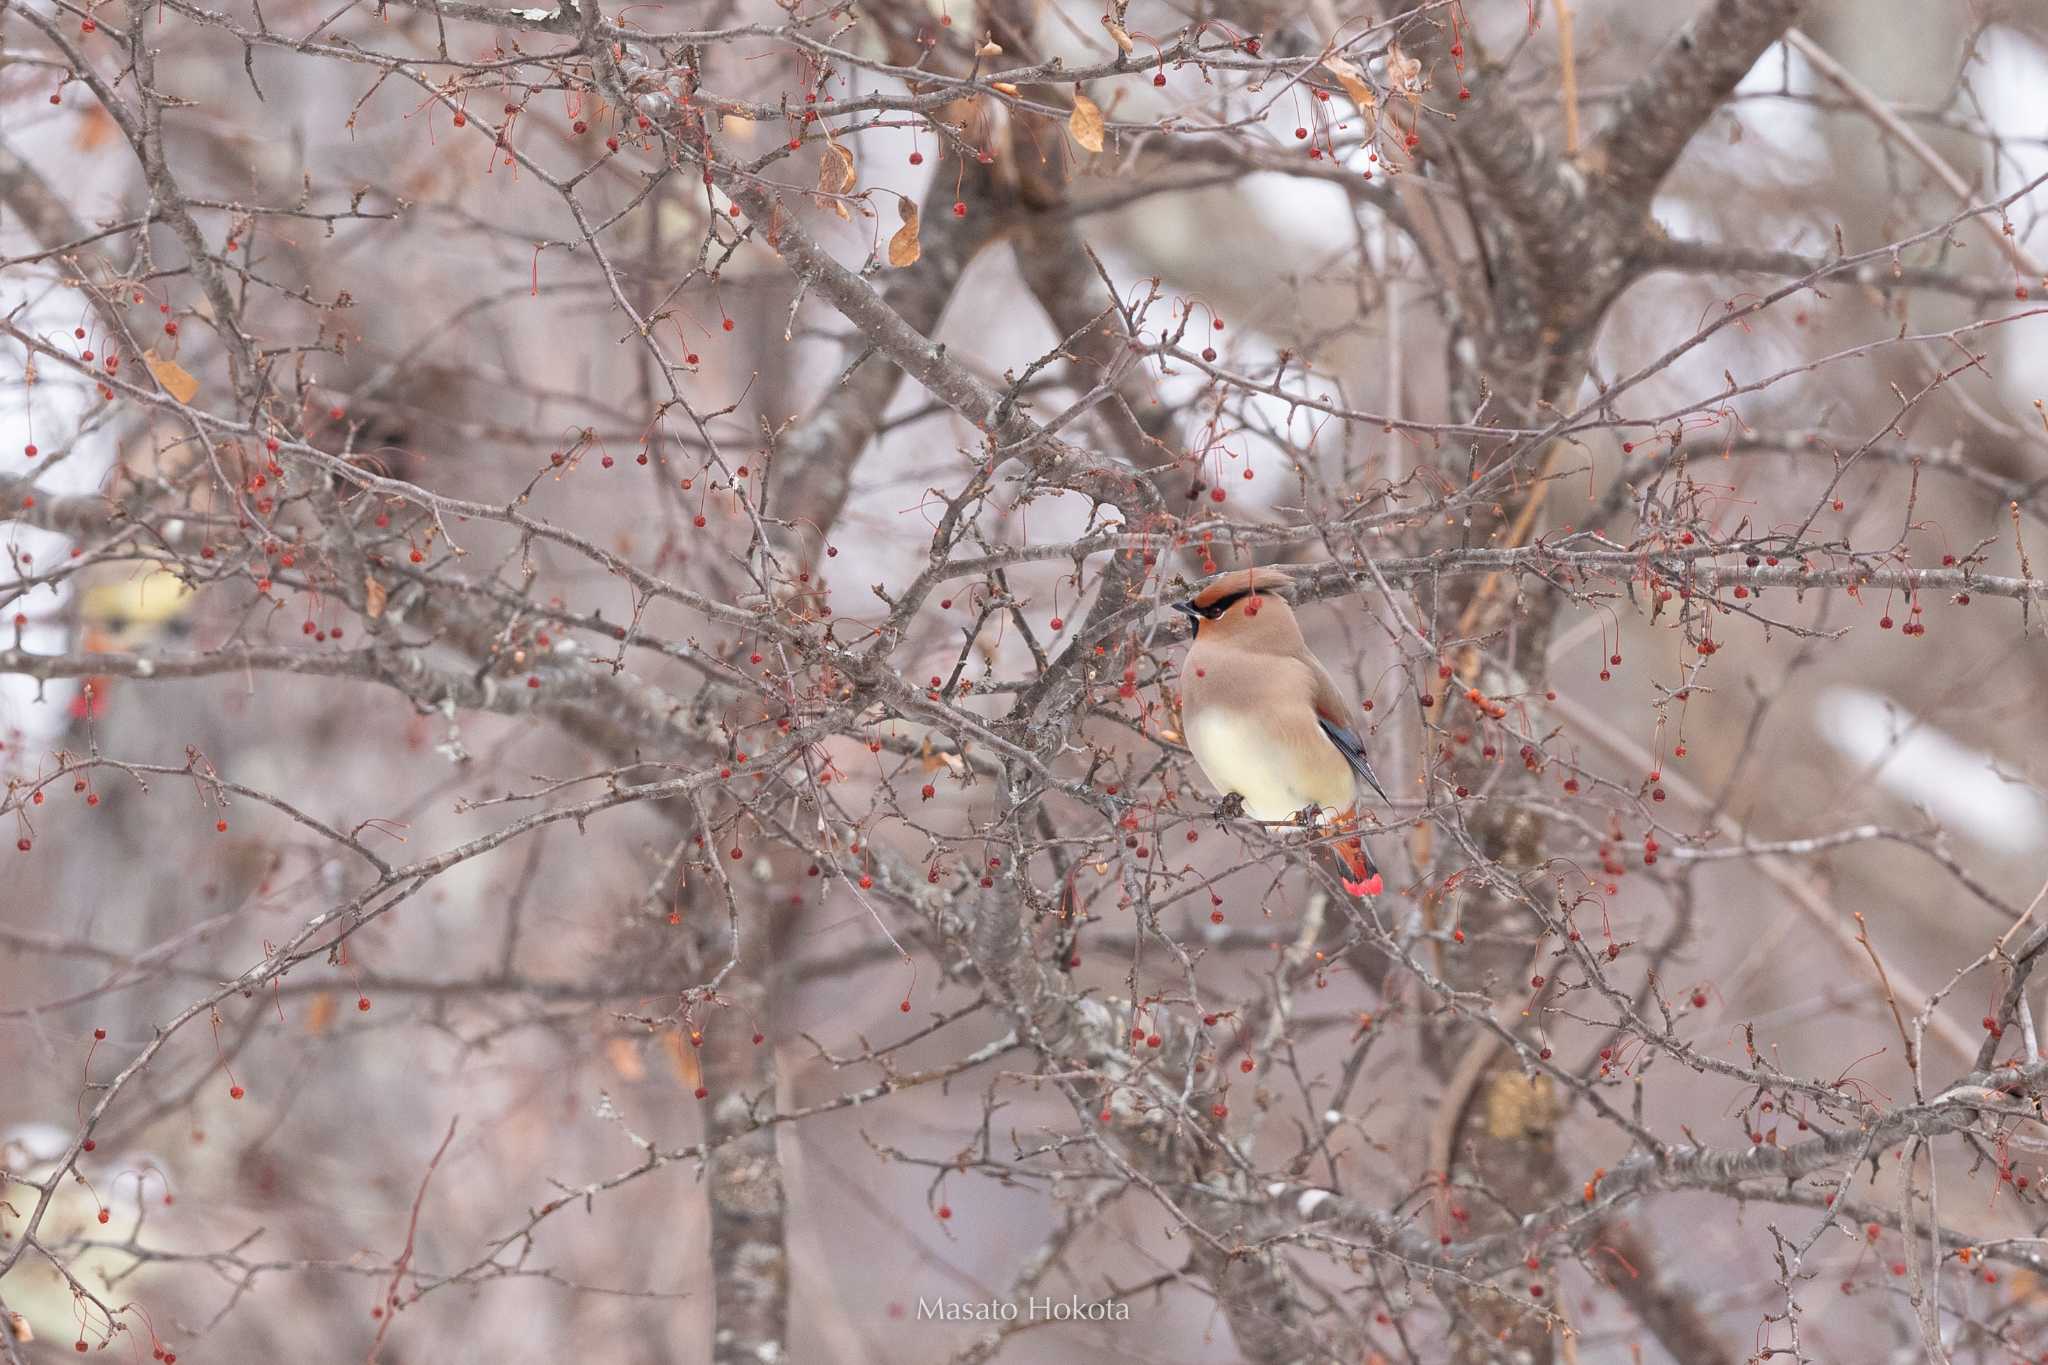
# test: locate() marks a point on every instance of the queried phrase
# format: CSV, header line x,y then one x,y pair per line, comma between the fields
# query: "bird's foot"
x,y
1231,807
1371,886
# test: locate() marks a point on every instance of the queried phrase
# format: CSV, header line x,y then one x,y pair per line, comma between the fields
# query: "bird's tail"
x,y
1364,878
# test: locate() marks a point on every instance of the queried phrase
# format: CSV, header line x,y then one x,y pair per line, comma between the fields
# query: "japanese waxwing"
x,y
1264,718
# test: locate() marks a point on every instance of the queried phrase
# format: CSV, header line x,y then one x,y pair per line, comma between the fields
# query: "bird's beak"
x,y
1186,609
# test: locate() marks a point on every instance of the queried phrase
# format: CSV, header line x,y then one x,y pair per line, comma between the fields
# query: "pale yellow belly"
x,y
1278,774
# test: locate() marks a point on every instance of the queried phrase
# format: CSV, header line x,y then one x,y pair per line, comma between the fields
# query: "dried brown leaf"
x,y
373,597
320,1013
904,248
1085,123
836,176
1123,39
1403,71
177,381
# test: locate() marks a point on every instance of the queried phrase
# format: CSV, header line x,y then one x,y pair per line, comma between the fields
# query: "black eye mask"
x,y
1222,604
1196,615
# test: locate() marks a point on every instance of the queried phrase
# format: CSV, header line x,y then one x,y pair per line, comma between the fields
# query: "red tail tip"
x,y
1371,886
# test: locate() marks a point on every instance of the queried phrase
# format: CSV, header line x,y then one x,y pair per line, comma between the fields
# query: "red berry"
x,y
235,1092
959,208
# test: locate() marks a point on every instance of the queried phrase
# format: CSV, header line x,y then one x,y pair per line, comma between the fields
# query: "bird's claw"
x,y
1230,807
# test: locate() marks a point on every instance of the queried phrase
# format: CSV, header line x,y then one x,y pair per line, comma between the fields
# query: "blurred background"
x,y
431,310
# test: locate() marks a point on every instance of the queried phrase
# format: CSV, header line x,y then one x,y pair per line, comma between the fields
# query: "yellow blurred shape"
x,y
133,610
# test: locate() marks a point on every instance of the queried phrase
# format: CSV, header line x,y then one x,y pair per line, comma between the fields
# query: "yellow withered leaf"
x,y
624,1055
904,248
177,381
1085,123
1353,81
373,597
320,1013
1117,33
684,1059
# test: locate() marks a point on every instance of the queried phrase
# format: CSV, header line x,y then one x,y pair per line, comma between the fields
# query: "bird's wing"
x,y
1333,713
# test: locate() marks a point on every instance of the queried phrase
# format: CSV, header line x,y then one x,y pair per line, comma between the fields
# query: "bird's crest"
x,y
1239,582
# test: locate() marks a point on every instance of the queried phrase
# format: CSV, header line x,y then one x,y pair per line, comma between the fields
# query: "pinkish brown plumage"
x,y
1263,717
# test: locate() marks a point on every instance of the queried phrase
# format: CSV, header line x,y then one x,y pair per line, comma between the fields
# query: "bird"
x,y
1266,722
